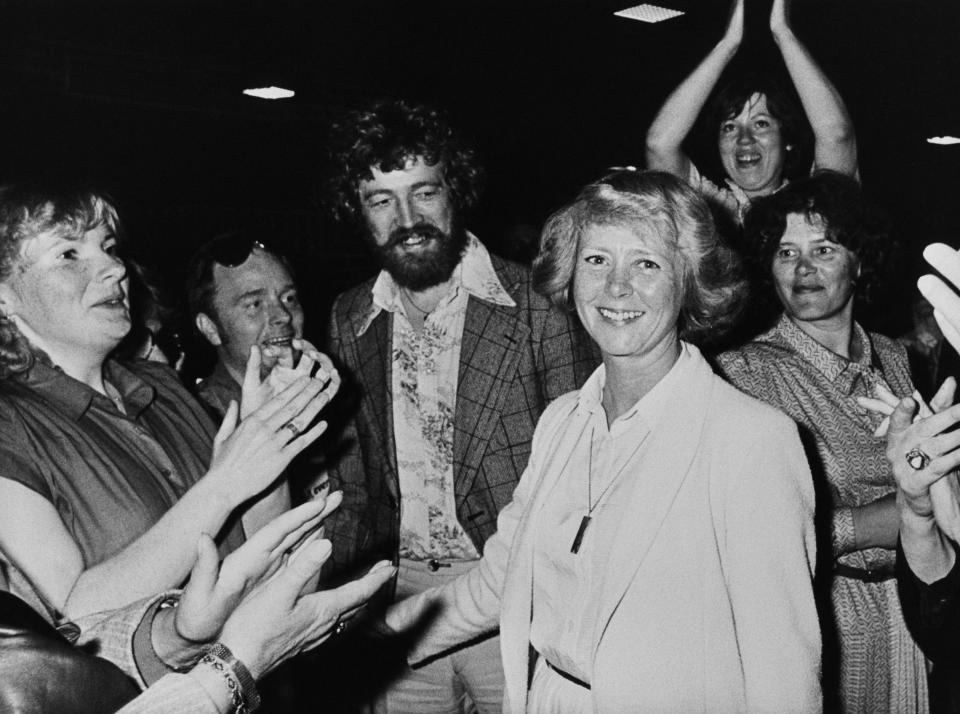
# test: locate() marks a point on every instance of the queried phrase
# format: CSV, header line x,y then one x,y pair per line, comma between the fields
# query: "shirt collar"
x,y
650,407
76,397
743,200
474,274
844,373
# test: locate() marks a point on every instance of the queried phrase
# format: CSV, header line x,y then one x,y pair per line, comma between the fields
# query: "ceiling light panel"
x,y
648,13
269,93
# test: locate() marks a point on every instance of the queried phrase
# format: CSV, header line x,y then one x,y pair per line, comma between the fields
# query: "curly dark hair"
x,y
385,136
849,219
795,131
658,203
26,210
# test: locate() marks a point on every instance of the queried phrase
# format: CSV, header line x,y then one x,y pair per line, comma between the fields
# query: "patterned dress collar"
x,y
844,373
475,275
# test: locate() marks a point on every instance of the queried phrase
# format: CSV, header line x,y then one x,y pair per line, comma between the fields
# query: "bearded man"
x,y
454,358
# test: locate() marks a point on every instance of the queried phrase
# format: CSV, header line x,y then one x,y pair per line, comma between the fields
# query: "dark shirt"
x,y
932,613
218,390
111,476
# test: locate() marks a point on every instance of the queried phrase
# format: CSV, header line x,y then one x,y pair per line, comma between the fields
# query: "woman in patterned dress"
x,y
819,245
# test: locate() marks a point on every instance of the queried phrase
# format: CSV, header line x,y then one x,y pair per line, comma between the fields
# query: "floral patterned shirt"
x,y
424,375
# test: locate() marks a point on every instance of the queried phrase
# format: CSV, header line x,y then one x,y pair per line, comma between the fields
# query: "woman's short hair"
x,y
387,135
829,198
28,210
649,202
783,106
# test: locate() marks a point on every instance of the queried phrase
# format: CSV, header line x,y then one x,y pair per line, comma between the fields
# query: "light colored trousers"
x,y
469,679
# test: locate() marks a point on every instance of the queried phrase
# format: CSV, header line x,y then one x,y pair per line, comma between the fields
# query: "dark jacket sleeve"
x,y
932,614
931,611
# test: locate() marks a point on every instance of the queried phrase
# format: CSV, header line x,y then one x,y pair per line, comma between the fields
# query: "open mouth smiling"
x,y
283,341
619,315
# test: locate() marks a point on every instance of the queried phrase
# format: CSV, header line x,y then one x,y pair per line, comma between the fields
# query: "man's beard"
x,y
419,269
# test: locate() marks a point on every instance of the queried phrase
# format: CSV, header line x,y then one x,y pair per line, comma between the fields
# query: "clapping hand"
x,y
924,457
884,402
946,302
304,360
213,591
277,620
249,456
780,17
734,31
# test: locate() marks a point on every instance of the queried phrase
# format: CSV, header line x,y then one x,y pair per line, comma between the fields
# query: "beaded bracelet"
x,y
243,689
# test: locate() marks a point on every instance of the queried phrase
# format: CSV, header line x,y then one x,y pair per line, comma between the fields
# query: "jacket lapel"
x,y
492,336
373,350
674,445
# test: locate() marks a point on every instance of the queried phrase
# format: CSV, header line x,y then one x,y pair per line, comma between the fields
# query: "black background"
x,y
145,98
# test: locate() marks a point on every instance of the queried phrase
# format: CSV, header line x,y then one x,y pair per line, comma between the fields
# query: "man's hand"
x,y
304,360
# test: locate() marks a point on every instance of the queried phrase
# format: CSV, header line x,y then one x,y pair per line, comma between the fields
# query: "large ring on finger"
x,y
341,626
293,428
918,459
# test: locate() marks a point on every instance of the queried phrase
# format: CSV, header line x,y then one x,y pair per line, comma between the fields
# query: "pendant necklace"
x,y
591,504
585,521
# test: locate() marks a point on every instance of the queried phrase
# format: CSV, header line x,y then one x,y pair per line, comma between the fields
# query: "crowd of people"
x,y
664,468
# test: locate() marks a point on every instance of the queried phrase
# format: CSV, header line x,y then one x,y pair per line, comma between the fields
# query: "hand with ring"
x,y
924,457
249,456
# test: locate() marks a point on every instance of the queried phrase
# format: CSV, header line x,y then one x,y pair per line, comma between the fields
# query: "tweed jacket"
x,y
513,362
707,601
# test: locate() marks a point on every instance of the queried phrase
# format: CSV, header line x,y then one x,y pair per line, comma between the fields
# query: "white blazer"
x,y
707,604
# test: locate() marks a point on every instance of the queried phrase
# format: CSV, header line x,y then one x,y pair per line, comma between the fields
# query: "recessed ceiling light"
x,y
269,93
943,140
648,13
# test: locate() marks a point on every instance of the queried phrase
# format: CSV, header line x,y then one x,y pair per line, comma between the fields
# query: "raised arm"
x,y
679,112
835,143
248,458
